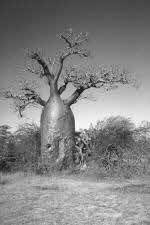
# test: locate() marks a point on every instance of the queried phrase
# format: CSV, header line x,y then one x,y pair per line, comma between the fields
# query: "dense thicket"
x,y
118,147
114,146
19,150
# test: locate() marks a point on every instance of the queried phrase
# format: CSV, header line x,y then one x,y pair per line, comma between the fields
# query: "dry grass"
x,y
36,200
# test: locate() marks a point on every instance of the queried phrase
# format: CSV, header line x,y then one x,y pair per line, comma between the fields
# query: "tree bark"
x,y
57,132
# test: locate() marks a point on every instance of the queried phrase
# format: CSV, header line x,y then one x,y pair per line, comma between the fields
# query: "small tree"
x,y
57,119
6,147
5,135
27,142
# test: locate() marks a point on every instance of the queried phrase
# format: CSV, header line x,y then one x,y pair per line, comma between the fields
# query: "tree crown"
x,y
55,70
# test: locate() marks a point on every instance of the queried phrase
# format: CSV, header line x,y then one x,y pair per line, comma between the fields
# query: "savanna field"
x,y
70,200
70,166
112,189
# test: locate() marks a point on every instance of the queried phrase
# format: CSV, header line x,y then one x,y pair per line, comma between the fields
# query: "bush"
x,y
20,150
118,148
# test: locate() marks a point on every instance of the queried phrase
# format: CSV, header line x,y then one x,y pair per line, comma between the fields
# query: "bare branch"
x,y
63,87
108,78
63,37
42,63
40,101
72,39
31,95
75,46
87,96
23,95
5,94
73,98
22,101
35,71
61,62
98,77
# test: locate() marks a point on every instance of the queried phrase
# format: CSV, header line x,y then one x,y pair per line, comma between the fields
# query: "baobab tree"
x,y
57,119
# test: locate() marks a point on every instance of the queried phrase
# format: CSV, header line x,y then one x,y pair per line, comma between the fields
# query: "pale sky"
x,y
119,34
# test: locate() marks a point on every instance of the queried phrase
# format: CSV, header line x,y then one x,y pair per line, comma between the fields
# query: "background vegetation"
x,y
113,147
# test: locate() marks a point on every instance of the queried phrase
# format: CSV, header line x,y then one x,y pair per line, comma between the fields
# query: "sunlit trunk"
x,y
57,133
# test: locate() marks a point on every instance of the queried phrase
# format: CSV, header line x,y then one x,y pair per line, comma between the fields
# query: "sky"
x,y
119,33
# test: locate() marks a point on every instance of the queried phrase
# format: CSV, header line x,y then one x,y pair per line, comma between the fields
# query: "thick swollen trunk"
x,y
57,133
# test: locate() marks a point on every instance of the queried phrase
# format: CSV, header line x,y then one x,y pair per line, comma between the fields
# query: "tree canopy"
x,y
55,68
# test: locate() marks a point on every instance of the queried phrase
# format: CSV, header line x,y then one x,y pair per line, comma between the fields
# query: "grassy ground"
x,y
36,200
